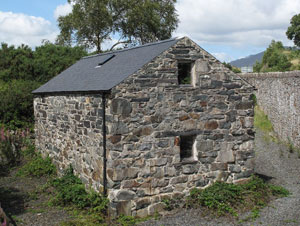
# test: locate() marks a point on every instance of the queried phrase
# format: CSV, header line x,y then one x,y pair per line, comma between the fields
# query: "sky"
x,y
228,29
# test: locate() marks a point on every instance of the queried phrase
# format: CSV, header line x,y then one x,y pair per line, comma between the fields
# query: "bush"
x,y
16,105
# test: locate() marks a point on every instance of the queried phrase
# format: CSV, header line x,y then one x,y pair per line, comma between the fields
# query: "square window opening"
x,y
187,148
184,73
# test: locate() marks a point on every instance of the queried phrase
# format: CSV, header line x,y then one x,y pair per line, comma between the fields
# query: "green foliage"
x,y
16,63
223,198
261,121
37,166
50,60
232,68
92,22
23,70
292,148
274,59
293,31
16,110
71,191
11,144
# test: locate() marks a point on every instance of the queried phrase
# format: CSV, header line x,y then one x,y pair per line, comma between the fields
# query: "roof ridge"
x,y
135,47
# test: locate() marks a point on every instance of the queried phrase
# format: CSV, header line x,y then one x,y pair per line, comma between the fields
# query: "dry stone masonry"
x,y
163,138
278,94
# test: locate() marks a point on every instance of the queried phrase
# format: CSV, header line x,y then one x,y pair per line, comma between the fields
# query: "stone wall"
x,y
151,112
148,116
278,94
69,129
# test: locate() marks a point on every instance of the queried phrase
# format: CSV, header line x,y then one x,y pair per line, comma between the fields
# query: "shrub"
x,y
223,198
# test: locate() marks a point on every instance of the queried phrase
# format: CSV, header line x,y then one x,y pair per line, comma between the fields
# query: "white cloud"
x,y
18,28
222,57
236,22
62,10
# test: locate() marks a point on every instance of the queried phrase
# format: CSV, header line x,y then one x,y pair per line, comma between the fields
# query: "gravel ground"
x,y
24,206
272,160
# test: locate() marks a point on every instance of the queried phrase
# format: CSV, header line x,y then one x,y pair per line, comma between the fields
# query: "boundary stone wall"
x,y
278,94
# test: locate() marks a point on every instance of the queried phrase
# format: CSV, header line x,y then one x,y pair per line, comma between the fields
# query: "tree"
x,y
274,59
293,31
143,21
50,60
91,22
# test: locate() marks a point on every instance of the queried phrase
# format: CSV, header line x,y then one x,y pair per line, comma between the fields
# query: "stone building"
x,y
168,115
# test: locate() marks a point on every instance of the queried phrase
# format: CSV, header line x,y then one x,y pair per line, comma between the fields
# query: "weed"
x,y
261,120
292,148
171,204
37,167
71,191
130,221
223,198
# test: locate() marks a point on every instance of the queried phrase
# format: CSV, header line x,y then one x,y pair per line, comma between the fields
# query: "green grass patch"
x,y
37,166
230,199
261,121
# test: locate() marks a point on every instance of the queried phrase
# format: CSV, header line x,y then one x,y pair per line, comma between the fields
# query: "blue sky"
x,y
228,29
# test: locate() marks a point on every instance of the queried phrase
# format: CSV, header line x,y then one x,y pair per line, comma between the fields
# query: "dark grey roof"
x,y
88,75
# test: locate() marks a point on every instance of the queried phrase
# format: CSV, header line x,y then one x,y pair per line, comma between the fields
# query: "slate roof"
x,y
88,75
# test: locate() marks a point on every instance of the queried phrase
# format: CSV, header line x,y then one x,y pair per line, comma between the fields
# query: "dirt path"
x,y
24,205
272,160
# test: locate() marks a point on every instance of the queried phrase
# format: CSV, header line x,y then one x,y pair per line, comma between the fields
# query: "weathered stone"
x,y
211,125
177,180
115,139
189,169
244,105
118,128
145,131
125,195
163,143
219,166
142,213
183,118
225,156
121,106
235,168
130,184
124,208
143,203
205,146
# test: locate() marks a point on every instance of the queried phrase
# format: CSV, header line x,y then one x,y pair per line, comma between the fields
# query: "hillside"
x,y
247,61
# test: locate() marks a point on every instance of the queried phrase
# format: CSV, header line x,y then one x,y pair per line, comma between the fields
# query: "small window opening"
x,y
184,73
187,148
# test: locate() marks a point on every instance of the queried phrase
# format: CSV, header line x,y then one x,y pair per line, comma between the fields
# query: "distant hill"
x,y
247,61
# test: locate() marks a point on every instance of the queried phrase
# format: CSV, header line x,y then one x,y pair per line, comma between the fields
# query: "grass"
x,y
36,165
261,121
230,199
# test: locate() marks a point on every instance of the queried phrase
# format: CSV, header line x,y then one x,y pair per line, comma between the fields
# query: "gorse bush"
x,y
223,198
